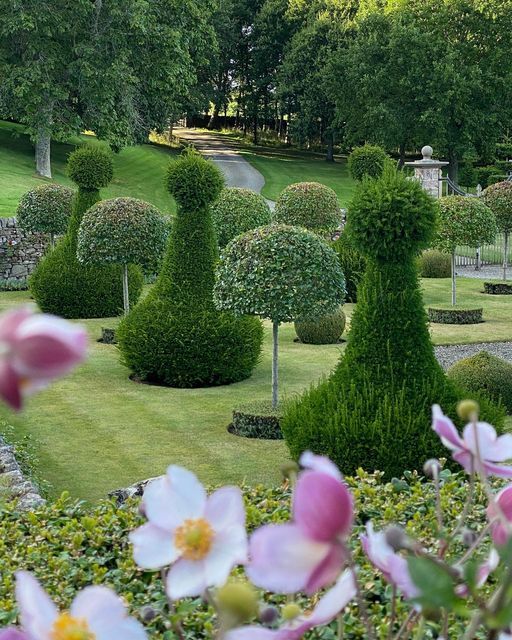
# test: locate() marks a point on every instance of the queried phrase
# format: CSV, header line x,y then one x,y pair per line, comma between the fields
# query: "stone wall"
x,y
20,251
13,483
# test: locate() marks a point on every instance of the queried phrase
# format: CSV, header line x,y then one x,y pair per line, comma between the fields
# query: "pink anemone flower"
x,y
483,572
202,537
503,501
35,348
309,552
12,634
328,607
488,445
392,565
95,614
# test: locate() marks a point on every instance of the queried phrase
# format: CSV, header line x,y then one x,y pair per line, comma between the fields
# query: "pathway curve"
x,y
237,171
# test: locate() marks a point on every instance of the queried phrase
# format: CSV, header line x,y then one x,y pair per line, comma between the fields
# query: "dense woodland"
x,y
316,73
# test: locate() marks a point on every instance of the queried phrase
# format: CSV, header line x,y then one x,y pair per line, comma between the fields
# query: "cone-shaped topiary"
x,y
236,211
46,209
374,410
175,336
311,205
62,285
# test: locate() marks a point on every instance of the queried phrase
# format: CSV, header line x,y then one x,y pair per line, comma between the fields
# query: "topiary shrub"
x,y
257,420
498,288
311,205
175,336
455,316
238,210
498,197
433,263
367,161
62,285
485,373
353,264
374,411
326,330
45,209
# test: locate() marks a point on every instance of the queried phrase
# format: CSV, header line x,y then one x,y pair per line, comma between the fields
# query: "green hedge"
x,y
353,264
311,205
498,288
236,211
455,316
257,420
326,330
435,264
367,161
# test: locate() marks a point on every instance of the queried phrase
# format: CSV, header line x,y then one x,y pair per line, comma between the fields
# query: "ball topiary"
x,y
353,264
367,161
175,336
62,285
45,209
236,211
485,373
434,264
378,400
90,167
311,205
326,330
498,197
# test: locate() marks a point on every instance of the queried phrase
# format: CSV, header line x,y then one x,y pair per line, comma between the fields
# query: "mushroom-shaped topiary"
x,y
367,161
311,205
498,197
281,273
463,221
90,167
46,209
123,231
236,211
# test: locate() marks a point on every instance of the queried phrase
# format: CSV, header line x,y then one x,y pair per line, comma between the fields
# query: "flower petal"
x,y
37,611
97,605
186,578
10,388
225,508
377,549
309,460
153,548
487,439
328,570
282,558
446,430
12,634
400,576
11,320
501,471
127,629
228,550
335,600
255,633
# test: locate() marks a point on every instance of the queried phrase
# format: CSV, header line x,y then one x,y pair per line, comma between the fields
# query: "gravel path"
x,y
450,354
237,171
487,272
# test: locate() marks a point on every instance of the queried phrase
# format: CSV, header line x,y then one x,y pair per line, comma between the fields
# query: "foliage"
x,y
90,167
45,208
367,161
485,373
13,284
486,175
352,262
326,330
434,264
498,197
257,420
122,231
498,288
310,205
238,210
281,273
175,336
464,221
455,315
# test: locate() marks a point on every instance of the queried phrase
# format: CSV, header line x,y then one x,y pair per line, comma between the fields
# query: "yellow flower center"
x,y
68,628
194,538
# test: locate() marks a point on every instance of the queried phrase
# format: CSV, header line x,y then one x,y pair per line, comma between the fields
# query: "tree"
x,y
281,273
463,221
46,209
498,197
123,231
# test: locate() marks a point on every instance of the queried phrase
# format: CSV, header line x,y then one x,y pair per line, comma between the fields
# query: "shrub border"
x,y
257,420
455,316
498,288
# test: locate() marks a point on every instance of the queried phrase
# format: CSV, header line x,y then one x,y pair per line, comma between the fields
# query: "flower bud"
x,y
468,410
289,470
291,611
269,615
147,614
431,468
239,600
396,538
468,537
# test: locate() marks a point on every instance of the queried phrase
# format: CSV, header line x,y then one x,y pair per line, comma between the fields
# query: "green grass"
x,y
138,171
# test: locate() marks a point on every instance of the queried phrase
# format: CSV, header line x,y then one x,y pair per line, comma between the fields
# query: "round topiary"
x,y
45,209
90,167
498,197
367,161
485,373
434,264
353,264
175,336
311,205
326,330
236,211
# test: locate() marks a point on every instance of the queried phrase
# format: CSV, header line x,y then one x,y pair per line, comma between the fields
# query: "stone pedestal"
x,y
429,172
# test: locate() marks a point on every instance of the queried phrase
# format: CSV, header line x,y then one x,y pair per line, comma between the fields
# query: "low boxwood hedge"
x,y
498,288
326,330
257,420
455,315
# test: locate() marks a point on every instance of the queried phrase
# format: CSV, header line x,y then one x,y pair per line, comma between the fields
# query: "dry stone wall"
x,y
20,250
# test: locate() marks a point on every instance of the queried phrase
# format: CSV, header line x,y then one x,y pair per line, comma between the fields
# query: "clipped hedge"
x,y
455,316
485,373
353,264
311,205
326,330
257,420
434,264
236,211
498,288
367,161
45,209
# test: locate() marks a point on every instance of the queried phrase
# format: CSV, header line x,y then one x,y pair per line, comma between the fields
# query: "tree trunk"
x,y
330,148
401,159
43,160
214,118
126,299
454,283
52,240
453,167
275,353
505,255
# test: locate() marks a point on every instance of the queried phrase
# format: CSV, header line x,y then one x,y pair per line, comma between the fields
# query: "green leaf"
x,y
437,588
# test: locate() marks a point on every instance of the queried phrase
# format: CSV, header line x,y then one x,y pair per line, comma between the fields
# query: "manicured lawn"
x,y
139,171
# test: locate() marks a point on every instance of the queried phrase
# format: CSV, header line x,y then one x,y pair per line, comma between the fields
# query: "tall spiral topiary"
x,y
374,410
175,336
498,197
62,285
46,209
311,205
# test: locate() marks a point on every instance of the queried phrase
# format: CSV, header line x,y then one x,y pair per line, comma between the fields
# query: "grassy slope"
x,y
138,171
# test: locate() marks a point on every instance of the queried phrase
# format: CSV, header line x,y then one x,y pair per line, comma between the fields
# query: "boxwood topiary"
x,y
454,315
45,209
485,373
367,161
62,285
378,400
498,288
257,420
175,336
353,264
238,210
326,330
311,205
433,263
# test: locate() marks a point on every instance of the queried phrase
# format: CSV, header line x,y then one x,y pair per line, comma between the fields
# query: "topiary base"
x,y
498,288
108,335
257,420
455,316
